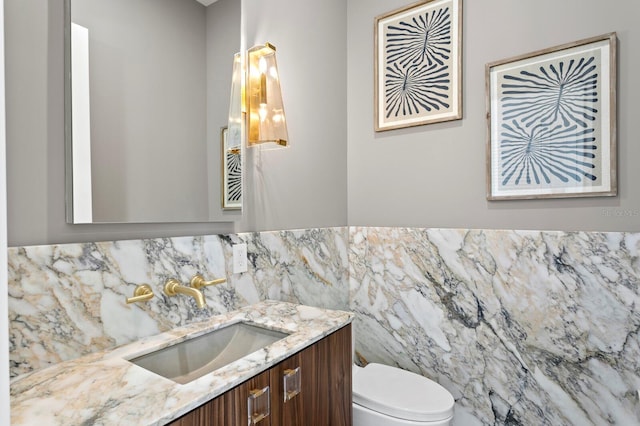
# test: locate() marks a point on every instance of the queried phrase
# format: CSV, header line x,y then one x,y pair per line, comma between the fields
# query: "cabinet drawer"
x,y
314,383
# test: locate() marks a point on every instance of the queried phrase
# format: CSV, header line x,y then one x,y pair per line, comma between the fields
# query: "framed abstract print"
x,y
418,75
231,155
551,118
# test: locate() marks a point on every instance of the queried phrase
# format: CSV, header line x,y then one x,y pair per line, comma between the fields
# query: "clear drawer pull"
x,y
291,383
258,405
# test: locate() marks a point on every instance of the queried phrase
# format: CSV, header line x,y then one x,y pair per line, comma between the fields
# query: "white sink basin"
x,y
193,358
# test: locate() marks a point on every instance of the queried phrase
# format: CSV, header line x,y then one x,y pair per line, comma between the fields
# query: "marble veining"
x,y
68,300
307,266
522,327
103,388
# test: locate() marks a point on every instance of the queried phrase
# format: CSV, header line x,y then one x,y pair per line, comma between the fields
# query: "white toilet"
x,y
389,396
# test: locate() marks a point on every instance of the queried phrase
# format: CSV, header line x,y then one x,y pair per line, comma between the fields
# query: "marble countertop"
x,y
105,389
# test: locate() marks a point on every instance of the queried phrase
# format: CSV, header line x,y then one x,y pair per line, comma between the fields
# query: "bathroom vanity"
x,y
310,363
314,383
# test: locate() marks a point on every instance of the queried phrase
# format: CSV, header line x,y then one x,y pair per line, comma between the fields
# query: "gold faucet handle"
x,y
170,287
197,281
142,293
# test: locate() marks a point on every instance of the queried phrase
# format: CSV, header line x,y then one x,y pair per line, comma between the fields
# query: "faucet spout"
x,y
173,287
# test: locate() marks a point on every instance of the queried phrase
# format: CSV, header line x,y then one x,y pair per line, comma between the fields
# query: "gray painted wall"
x,y
223,42
434,175
305,185
35,137
148,108
427,176
300,187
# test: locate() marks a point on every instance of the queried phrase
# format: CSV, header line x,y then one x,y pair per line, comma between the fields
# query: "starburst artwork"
x,y
418,75
552,122
231,170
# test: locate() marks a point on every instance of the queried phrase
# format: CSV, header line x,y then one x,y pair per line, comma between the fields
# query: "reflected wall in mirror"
x,y
148,91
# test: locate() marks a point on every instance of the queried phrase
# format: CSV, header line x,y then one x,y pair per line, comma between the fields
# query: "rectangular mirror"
x,y
147,92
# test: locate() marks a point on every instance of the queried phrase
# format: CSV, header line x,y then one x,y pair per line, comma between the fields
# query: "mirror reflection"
x,y
147,100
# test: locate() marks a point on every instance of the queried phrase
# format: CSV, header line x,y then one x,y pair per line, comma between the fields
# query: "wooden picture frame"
x,y
551,122
418,65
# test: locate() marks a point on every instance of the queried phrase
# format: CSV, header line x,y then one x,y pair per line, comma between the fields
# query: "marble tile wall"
x,y
68,300
523,328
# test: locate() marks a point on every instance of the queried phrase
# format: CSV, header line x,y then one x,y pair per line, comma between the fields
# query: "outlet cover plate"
x,y
239,258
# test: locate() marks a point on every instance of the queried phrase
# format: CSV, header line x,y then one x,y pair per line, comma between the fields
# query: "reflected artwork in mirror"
x,y
231,155
147,92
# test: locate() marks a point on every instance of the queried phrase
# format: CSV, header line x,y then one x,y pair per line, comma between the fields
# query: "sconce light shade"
x,y
266,124
236,103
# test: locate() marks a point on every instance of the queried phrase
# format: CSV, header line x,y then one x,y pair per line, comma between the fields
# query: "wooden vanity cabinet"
x,y
228,409
324,398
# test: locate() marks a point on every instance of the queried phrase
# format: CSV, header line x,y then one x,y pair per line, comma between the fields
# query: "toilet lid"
x,y
402,394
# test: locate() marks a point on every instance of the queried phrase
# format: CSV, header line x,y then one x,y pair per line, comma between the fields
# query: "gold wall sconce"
x,y
261,99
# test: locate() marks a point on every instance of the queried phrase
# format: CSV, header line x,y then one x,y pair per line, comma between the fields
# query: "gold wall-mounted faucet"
x,y
142,293
173,287
197,281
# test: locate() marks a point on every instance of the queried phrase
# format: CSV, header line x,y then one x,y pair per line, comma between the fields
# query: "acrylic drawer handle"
x,y
258,405
291,383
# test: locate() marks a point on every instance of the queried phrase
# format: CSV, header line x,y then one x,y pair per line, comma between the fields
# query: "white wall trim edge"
x,y
4,295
